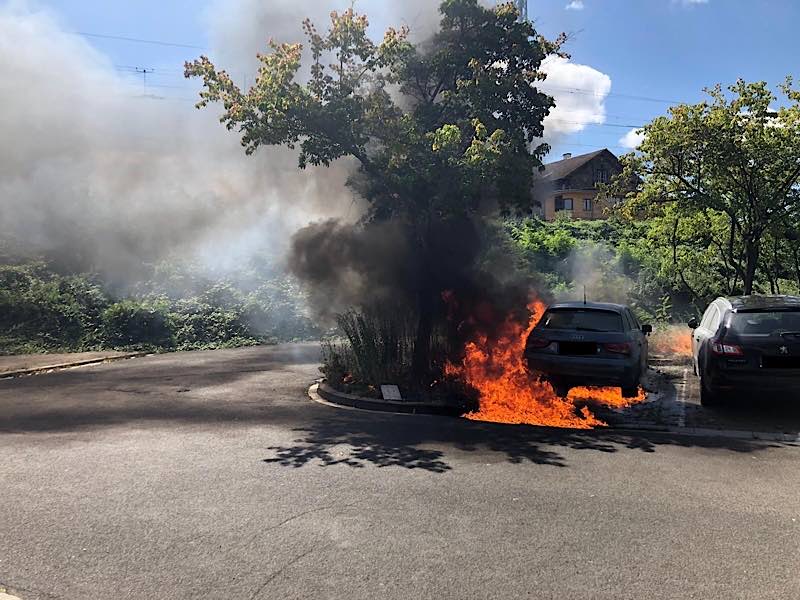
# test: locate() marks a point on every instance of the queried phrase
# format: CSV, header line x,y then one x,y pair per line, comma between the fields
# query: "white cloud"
x,y
580,93
575,5
691,2
632,139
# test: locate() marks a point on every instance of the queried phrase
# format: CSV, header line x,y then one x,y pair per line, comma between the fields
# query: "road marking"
x,y
682,399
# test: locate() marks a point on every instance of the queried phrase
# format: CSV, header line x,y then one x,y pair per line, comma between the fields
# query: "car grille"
x,y
577,348
780,362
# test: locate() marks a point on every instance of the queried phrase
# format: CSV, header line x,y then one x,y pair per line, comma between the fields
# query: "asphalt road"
x,y
210,475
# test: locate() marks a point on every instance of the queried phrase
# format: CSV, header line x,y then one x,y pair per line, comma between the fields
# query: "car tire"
x,y
560,388
708,397
630,391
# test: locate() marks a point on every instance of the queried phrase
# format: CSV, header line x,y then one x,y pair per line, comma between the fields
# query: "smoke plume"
x,y
99,176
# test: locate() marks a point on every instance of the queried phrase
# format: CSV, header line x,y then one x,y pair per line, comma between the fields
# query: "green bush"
x,y
128,324
179,307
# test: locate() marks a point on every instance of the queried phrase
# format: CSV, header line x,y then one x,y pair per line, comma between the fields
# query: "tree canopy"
x,y
442,130
437,128
724,174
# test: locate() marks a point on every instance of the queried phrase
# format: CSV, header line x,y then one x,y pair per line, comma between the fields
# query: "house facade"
x,y
569,187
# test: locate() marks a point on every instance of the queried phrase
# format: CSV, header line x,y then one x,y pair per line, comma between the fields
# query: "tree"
x,y
440,130
732,158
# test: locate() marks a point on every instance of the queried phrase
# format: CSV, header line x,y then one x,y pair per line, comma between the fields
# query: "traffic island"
x,y
324,393
322,390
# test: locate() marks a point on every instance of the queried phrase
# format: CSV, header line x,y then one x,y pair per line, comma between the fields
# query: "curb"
x,y
322,393
69,365
340,399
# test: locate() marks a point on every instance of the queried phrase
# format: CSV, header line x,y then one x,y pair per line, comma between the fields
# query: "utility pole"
x,y
144,73
522,8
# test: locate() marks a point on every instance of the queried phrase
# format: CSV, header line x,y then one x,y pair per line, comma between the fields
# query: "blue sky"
x,y
662,50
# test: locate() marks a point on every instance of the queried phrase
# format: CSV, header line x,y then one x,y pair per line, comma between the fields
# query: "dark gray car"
x,y
747,345
589,343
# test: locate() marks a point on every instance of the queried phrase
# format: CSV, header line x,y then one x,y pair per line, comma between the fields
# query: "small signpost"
x,y
391,392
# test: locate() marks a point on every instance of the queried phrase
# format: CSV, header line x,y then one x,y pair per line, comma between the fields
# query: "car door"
x,y
639,338
708,327
700,333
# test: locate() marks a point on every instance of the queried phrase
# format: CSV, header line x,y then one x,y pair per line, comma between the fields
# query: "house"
x,y
569,186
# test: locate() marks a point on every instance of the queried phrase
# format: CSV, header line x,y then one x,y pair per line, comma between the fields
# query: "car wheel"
x,y
560,388
708,397
630,391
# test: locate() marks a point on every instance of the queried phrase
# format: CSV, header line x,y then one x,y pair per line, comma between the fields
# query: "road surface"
x,y
211,475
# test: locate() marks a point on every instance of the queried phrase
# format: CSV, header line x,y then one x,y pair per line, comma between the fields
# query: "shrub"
x,y
129,324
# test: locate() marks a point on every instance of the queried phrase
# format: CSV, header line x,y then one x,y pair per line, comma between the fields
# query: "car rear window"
x,y
765,323
585,319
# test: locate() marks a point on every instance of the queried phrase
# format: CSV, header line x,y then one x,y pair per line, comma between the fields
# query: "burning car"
x,y
746,344
589,344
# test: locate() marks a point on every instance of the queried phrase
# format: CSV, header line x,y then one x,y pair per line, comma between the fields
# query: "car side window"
x,y
626,318
715,319
706,320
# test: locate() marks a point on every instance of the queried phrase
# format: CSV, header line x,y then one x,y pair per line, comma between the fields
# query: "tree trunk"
x,y
751,249
421,361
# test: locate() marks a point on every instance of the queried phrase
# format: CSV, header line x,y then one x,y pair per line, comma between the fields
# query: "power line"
x,y
585,124
138,40
586,92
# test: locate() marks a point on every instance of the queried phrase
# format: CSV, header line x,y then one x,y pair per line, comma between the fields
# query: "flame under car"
x,y
589,344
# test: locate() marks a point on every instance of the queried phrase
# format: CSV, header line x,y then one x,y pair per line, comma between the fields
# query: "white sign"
x,y
391,392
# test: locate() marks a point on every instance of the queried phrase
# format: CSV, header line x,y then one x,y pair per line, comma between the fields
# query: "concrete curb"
x,y
69,365
322,393
340,399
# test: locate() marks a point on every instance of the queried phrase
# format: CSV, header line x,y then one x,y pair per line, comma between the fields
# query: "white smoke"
x,y
241,28
93,170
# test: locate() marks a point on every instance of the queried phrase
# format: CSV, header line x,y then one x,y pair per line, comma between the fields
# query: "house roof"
x,y
561,168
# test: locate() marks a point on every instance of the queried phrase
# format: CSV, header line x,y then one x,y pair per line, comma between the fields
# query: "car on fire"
x,y
747,344
589,344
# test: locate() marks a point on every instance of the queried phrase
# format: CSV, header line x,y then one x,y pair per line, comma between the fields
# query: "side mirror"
x,y
647,328
693,323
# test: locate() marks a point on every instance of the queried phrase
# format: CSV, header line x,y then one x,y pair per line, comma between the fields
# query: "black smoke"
x,y
445,275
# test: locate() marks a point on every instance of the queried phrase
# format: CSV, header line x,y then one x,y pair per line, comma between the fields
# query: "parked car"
x,y
589,343
747,344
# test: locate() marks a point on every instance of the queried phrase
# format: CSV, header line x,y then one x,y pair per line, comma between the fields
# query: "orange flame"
x,y
509,393
674,340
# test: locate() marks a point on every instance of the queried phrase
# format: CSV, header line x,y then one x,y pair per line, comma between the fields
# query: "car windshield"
x,y
765,323
583,319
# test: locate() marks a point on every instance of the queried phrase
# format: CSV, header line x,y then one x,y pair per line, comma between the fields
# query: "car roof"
x,y
590,305
757,303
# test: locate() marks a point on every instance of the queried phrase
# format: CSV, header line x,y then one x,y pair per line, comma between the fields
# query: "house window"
x,y
563,203
587,205
564,184
601,176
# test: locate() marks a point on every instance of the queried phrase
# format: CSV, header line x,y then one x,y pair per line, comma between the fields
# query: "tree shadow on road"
x,y
363,439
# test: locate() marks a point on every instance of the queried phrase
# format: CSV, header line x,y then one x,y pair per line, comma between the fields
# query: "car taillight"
x,y
538,343
623,348
726,349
